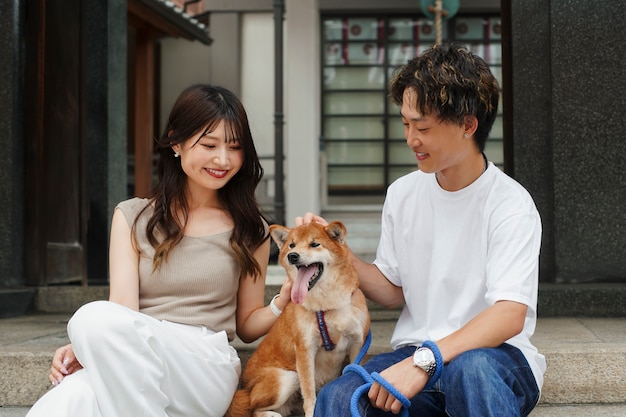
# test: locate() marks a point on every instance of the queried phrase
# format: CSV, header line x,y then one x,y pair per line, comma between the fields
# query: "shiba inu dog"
x,y
326,323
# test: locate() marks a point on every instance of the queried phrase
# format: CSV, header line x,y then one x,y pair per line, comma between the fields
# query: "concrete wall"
x,y
302,109
183,63
257,81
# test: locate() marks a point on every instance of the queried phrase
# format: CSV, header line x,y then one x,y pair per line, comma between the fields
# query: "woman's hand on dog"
x,y
285,295
64,363
310,217
403,376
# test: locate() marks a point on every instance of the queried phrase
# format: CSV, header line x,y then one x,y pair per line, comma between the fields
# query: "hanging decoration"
x,y
439,10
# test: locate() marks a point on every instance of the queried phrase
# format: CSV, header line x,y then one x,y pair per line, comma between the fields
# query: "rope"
x,y
369,381
438,12
364,349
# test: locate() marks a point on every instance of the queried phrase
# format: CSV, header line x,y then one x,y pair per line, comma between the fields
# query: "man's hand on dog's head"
x,y
308,218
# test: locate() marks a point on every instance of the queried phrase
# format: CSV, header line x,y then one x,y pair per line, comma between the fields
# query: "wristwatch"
x,y
425,359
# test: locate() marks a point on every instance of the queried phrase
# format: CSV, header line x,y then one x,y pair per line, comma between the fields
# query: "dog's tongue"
x,y
301,286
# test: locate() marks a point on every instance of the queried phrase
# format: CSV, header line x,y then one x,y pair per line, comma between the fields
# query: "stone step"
x,y
15,301
586,356
542,410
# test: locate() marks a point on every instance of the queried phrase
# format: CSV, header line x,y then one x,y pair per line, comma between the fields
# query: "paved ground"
x,y
13,411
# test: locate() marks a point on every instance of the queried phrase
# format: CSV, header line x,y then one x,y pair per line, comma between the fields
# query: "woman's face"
x,y
209,159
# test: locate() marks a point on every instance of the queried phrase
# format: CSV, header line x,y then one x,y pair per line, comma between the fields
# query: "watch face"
x,y
423,357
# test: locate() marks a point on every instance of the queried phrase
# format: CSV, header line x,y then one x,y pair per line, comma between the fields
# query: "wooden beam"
x,y
165,21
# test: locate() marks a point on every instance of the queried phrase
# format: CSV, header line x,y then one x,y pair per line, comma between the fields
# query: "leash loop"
x,y
369,381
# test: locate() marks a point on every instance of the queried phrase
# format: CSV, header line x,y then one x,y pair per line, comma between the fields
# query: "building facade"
x,y
560,131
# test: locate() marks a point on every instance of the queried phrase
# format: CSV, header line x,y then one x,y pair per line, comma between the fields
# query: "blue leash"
x,y
364,349
369,380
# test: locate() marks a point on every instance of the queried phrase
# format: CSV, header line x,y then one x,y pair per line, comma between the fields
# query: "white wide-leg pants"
x,y
135,365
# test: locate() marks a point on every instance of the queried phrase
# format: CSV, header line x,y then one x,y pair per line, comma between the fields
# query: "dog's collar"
x,y
321,323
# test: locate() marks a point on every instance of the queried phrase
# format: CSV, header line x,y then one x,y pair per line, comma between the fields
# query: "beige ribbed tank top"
x,y
197,285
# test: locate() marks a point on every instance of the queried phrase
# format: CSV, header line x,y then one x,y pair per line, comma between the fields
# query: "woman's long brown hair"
x,y
201,108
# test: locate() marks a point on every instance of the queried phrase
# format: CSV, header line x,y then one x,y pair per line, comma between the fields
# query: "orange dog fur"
x,y
291,363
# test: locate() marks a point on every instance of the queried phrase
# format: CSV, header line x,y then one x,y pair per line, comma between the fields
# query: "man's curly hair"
x,y
452,83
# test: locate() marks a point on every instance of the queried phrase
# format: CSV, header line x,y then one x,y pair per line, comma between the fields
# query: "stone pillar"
x,y
105,126
13,145
569,132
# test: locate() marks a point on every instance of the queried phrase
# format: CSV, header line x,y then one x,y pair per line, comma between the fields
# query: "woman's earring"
x,y
466,135
176,154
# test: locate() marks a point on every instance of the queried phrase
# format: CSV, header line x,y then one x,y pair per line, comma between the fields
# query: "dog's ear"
x,y
279,234
336,231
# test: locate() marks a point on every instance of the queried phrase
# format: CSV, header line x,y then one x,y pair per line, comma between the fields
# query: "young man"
x,y
459,248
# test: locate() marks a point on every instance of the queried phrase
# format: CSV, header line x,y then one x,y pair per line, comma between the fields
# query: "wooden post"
x,y
144,112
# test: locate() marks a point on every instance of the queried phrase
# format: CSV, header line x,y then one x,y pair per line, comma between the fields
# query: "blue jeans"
x,y
478,383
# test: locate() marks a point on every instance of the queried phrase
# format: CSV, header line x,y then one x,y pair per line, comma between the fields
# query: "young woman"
x,y
187,273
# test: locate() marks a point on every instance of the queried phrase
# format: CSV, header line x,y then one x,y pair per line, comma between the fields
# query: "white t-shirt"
x,y
457,253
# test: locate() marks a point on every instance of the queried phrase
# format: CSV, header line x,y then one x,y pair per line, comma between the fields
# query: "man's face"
x,y
438,145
